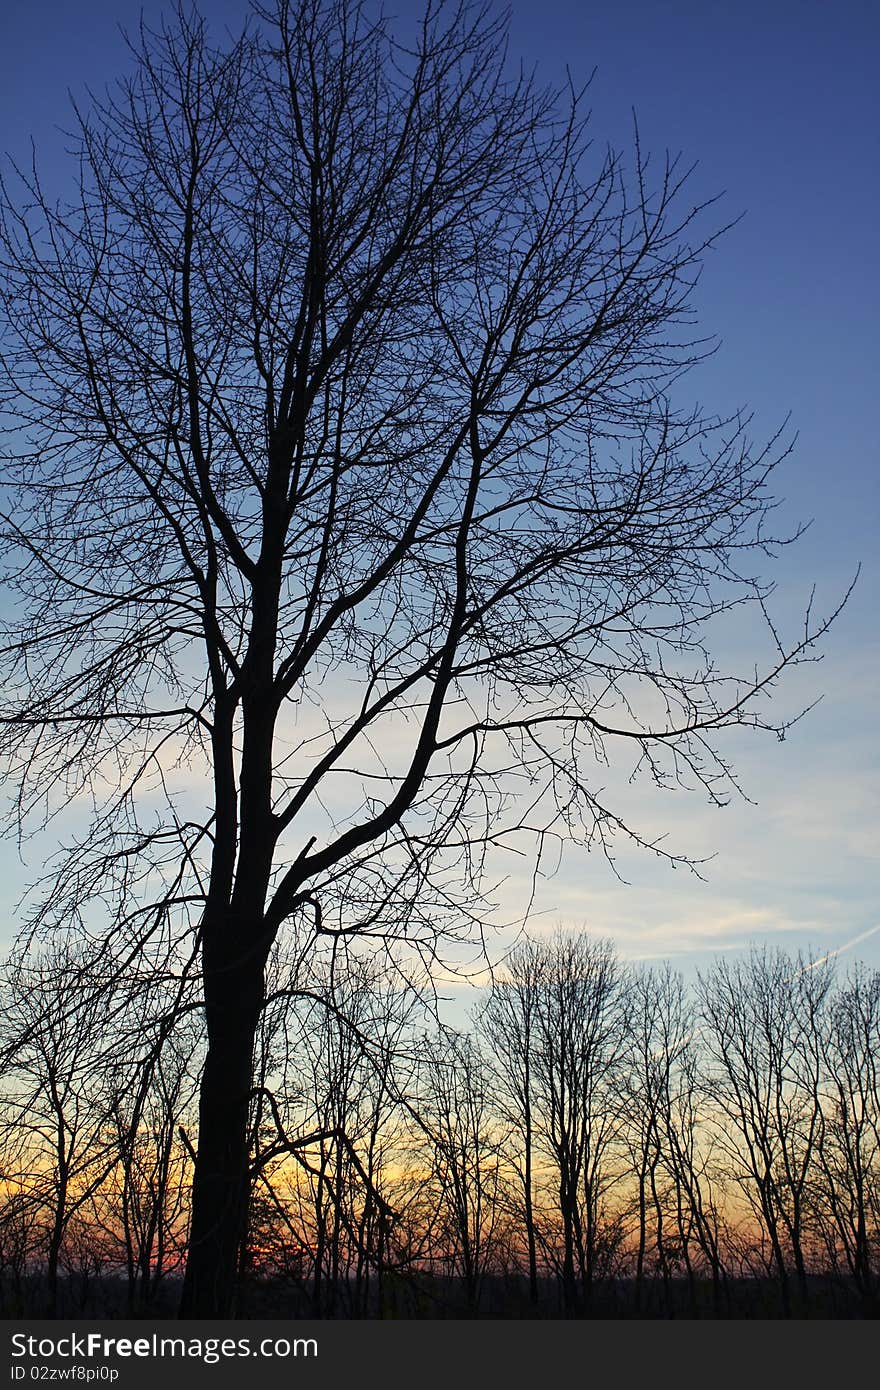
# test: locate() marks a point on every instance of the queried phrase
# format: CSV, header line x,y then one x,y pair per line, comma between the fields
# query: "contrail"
x,y
845,947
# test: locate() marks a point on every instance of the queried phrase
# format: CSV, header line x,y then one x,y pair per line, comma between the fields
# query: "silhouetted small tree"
x,y
848,1199
579,1045
508,1024
53,1095
763,1021
464,1161
668,1136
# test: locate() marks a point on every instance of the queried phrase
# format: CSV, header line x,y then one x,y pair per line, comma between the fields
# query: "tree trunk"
x,y
643,1234
567,1200
529,1211
56,1238
233,998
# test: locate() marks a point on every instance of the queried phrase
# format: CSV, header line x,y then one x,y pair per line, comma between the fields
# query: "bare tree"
x,y
656,1035
53,1093
342,485
581,1028
509,1023
763,1021
19,1237
691,1157
465,1165
334,1051
849,1144
668,1136
142,1204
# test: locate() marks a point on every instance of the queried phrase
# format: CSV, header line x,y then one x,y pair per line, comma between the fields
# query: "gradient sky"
x,y
774,99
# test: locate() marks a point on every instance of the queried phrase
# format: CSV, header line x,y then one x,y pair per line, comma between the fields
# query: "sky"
x,y
774,101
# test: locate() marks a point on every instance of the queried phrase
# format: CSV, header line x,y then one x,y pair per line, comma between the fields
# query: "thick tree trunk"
x,y
233,997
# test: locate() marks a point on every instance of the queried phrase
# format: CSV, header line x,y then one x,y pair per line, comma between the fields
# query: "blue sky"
x,y
774,100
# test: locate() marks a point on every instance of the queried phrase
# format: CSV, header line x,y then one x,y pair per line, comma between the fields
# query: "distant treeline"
x,y
603,1141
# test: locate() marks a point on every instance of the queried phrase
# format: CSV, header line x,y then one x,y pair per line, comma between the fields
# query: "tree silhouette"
x,y
348,515
666,1129
666,1157
464,1161
581,1032
52,1101
763,1029
508,1024
849,1136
